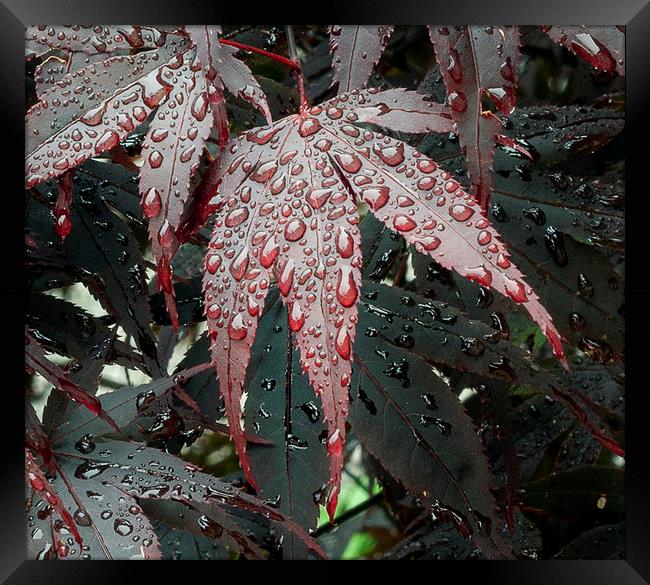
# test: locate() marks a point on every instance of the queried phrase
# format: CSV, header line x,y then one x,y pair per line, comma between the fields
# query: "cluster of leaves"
x,y
348,254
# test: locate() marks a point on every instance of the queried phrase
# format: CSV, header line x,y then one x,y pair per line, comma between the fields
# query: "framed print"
x,y
327,291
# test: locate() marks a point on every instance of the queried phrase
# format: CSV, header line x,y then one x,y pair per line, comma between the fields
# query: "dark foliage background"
x,y
453,385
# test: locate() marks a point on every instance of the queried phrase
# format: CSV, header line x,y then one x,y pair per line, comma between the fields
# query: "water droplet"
x,y
443,426
155,159
391,155
212,263
536,214
85,445
269,252
577,322
404,340
90,469
499,213
426,165
144,400
200,106
554,241
403,223
484,238
480,274
296,317
311,410
166,234
507,71
264,172
472,346
236,217
593,51
375,197
82,518
515,290
294,230
346,288
151,203
268,384
430,401
308,126
399,370
237,329
122,527
585,287
348,162
454,67
504,98
426,183
295,443
63,224
335,444
460,212
239,265
457,101
285,281
343,343
318,197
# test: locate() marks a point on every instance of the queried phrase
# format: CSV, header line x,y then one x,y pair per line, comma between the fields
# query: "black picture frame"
x,y
634,14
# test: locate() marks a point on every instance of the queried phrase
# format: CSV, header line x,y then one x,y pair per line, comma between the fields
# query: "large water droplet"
x,y
343,343
239,265
479,274
318,197
348,162
335,444
151,203
296,317
269,252
460,212
264,172
453,66
346,288
458,101
391,155
344,243
593,51
294,230
155,159
285,281
375,197
236,217
403,223
308,126
237,328
122,527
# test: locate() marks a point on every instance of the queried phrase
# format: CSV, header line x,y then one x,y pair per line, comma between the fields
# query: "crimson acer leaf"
x,y
287,198
603,47
560,216
327,227
477,62
355,51
180,79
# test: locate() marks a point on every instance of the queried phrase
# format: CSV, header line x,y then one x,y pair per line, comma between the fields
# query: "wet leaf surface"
x,y
361,310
